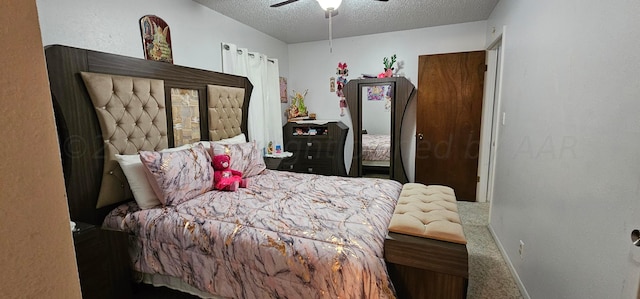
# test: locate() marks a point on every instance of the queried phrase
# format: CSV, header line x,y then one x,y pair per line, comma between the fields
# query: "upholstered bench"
x,y
425,249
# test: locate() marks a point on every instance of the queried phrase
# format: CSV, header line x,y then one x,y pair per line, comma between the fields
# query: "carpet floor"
x,y
489,275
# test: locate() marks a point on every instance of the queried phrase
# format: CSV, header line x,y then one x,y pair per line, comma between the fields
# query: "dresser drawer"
x,y
313,156
317,157
310,144
315,168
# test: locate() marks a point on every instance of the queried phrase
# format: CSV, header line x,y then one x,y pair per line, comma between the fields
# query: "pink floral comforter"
x,y
288,235
376,147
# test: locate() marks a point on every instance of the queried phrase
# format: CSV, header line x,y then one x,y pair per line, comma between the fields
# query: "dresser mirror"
x,y
387,112
376,129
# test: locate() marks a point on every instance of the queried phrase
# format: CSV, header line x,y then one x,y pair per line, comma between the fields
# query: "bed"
x,y
286,235
376,150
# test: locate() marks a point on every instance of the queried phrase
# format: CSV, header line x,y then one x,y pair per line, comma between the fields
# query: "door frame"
x,y
490,120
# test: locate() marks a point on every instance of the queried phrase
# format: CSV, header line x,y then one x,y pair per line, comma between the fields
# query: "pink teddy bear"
x,y
225,178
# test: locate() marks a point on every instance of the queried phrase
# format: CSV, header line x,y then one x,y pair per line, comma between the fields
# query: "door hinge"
x,y
486,67
478,179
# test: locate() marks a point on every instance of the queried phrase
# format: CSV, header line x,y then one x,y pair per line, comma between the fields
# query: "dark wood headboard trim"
x,y
80,137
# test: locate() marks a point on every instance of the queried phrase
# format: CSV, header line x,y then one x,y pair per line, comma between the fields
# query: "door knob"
x,y
420,136
635,237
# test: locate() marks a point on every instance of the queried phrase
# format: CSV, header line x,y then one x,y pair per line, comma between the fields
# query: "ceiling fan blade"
x,y
283,3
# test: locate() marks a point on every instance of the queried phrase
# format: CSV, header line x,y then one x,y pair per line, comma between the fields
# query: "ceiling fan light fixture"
x,y
329,4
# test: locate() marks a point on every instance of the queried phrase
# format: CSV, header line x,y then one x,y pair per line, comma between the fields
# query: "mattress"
x,y
288,235
376,147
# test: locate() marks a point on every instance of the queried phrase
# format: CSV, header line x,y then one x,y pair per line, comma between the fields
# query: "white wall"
x,y
114,26
568,174
197,31
311,65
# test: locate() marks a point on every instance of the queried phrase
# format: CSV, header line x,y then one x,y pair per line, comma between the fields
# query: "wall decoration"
x,y
185,112
379,93
342,73
376,93
332,84
297,110
388,67
283,90
156,39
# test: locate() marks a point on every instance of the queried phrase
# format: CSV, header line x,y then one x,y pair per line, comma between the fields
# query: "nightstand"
x,y
103,262
272,163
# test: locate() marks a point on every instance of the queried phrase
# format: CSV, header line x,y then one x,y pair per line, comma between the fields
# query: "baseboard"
x,y
512,269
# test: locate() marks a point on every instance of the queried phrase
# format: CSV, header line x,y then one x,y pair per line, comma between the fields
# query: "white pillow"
x,y
134,170
233,140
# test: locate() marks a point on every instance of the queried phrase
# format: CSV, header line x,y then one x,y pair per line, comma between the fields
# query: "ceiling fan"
x,y
330,8
325,4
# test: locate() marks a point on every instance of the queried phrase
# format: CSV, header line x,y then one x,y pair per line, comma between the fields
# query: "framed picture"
x,y
185,113
156,39
378,92
283,90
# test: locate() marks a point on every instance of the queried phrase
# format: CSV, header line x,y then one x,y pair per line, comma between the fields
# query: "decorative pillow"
x,y
245,157
178,176
233,140
137,178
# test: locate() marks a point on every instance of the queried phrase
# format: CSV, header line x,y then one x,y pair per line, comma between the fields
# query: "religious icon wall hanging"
x,y
156,39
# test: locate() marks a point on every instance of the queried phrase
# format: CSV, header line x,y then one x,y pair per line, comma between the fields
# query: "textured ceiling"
x,y
305,21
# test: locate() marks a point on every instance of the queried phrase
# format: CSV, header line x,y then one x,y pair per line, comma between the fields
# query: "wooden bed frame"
x,y
80,136
426,268
418,267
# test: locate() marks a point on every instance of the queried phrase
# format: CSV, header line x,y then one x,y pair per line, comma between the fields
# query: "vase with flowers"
x,y
388,67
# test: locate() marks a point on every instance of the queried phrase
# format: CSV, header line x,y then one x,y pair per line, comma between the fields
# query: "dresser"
x,y
316,148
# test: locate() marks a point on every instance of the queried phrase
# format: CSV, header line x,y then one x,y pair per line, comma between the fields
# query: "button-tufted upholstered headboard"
x,y
225,111
86,147
132,116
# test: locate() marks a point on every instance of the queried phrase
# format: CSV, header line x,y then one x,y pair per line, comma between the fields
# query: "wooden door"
x,y
450,90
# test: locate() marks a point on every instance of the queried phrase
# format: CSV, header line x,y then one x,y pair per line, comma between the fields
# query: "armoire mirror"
x,y
370,111
376,130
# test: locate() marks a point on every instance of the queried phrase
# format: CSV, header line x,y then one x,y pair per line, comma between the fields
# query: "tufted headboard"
x,y
127,108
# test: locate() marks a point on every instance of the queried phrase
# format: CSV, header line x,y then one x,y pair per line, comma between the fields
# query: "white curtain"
x,y
265,122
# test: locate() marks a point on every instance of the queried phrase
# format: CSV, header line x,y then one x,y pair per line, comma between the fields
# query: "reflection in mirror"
x,y
376,130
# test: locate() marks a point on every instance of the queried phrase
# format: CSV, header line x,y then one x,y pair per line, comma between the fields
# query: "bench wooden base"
x,y
426,268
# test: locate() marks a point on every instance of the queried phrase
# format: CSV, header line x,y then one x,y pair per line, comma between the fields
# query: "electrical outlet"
x,y
521,249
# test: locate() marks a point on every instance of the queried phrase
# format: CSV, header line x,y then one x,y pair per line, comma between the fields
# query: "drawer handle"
x,y
309,143
310,169
291,166
309,157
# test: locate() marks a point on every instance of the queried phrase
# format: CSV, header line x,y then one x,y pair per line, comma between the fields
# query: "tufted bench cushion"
x,y
428,212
